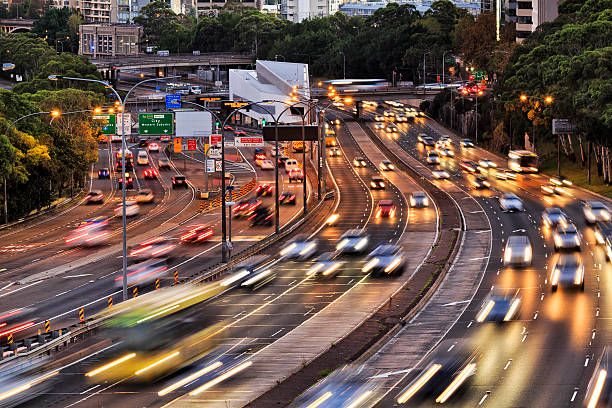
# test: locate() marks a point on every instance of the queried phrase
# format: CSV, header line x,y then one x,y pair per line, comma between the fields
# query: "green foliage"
x,y
59,25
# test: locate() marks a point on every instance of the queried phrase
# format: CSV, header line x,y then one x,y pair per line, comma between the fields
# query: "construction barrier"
x,y
176,276
156,283
201,207
110,302
47,326
135,291
81,315
9,338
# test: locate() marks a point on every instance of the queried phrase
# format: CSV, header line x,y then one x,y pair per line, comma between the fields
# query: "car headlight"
x,y
508,255
558,240
370,264
599,237
527,254
605,215
577,239
382,185
512,310
341,244
554,279
412,202
394,264
485,311
361,244
578,276
425,202
372,184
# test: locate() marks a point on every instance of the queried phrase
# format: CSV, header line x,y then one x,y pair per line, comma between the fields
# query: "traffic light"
x,y
217,124
263,122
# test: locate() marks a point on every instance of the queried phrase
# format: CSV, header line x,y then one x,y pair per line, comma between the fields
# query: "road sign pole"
x,y
123,211
276,194
223,225
304,165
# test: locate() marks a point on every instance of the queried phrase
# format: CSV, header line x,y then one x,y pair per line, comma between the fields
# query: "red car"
x,y
228,127
153,248
246,207
287,198
240,133
296,175
385,208
263,190
130,181
150,174
196,234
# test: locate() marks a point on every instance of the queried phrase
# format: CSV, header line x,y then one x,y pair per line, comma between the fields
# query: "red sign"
x,y
191,144
215,140
249,141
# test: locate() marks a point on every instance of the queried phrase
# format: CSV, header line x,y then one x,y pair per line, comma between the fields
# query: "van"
x,y
143,157
291,164
195,90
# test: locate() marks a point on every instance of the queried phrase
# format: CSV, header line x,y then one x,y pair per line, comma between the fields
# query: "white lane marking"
x,y
586,362
7,286
574,396
507,364
275,333
484,398
22,288
77,276
455,303
89,389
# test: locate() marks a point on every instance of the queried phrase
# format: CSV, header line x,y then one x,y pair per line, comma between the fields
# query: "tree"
x,y
155,18
478,42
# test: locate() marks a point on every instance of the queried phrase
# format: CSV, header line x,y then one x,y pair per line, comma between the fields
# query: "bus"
x,y
298,146
330,137
523,161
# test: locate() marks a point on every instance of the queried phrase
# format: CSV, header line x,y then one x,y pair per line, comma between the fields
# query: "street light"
x,y
123,154
53,113
343,64
548,99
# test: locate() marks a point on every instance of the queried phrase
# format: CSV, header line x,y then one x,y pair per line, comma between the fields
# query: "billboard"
x,y
290,133
193,123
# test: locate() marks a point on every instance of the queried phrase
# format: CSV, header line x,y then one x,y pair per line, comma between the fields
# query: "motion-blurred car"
x,y
391,128
264,190
332,219
246,207
153,148
551,189
386,165
419,199
300,248
560,181
501,305
262,216
354,241
157,247
568,271
197,234
385,259
259,154
22,381
602,231
163,163
143,142
144,273
129,181
599,389
266,165
553,216
379,118
445,152
104,173
480,183
286,198
486,163
90,233
179,181
518,250
164,138
510,202
440,174
504,174
131,209
94,197
566,236
144,196
250,274
333,152
468,166
359,162
379,125
595,211
385,208
433,158
150,174
446,140
129,165
466,143
402,118
377,183
296,175
441,375
427,141
326,265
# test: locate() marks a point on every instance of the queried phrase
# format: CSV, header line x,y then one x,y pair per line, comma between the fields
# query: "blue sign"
x,y
173,101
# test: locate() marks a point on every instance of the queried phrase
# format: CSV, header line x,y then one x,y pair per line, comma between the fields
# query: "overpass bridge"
x,y
16,25
108,65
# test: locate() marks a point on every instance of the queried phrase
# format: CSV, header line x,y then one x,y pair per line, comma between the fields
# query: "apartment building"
x,y
109,39
529,14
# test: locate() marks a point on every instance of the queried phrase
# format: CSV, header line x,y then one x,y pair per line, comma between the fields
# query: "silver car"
x,y
518,250
568,271
510,202
595,211
551,217
566,236
419,199
385,259
300,249
326,265
353,241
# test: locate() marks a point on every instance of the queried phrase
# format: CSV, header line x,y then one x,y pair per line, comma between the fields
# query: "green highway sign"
x,y
108,123
479,75
155,124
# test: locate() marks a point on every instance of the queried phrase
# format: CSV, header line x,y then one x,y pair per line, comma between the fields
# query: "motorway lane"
x,y
259,318
61,297
562,326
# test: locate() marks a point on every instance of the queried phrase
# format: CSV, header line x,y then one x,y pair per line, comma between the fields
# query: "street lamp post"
x,y
53,114
123,154
343,65
547,100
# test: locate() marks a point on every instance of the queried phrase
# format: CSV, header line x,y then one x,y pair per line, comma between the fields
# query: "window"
x,y
522,34
524,5
525,20
512,12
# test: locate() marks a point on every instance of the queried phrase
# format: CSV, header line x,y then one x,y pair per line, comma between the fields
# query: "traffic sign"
x,y
230,203
235,104
191,144
155,124
173,101
249,141
562,127
218,165
177,145
215,140
210,166
127,124
108,123
214,152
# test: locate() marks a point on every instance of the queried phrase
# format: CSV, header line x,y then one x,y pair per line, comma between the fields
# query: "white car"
x,y
144,196
131,209
353,241
300,249
510,202
446,140
595,211
379,125
566,236
486,163
153,148
291,164
143,157
446,152
419,199
266,165
518,250
359,162
441,174
386,165
433,158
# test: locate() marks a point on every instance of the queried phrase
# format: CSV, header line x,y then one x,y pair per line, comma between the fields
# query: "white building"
x,y
529,14
284,82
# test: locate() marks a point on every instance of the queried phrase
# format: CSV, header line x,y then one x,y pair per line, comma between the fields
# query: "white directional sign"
x,y
210,166
249,141
562,127
127,123
214,152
